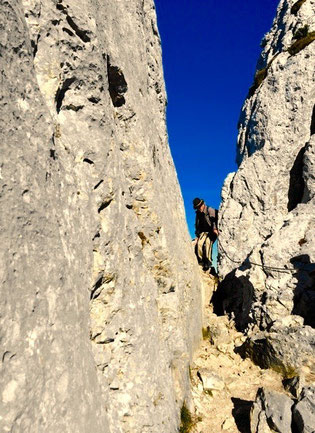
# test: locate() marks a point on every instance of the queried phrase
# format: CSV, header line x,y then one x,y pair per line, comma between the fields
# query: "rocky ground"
x,y
224,386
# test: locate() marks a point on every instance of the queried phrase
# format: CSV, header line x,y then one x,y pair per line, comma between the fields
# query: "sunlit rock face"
x,y
267,216
100,301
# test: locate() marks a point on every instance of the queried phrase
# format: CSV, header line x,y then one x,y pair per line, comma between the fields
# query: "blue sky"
x,y
210,49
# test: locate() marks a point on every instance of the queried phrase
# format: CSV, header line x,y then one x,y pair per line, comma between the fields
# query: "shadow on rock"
x,y
241,414
261,352
304,294
296,187
234,297
284,349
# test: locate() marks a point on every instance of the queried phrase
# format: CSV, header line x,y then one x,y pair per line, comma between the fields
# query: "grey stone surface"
x,y
210,380
288,350
271,412
267,215
100,293
304,411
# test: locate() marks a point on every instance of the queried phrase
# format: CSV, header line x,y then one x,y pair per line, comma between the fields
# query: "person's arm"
x,y
197,226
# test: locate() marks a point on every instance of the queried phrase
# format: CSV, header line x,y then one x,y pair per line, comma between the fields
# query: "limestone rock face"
x,y
100,300
267,216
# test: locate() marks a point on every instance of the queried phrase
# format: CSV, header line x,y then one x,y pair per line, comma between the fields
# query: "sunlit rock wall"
x,y
267,216
100,292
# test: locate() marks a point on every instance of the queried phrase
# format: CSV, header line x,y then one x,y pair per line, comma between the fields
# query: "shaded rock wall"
x,y
100,299
267,241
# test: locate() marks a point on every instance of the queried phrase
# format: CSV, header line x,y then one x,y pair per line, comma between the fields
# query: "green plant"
x,y
296,7
302,32
260,75
298,45
187,420
206,333
286,371
57,132
190,373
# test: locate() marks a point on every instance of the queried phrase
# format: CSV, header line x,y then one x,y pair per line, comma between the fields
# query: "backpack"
x,y
212,220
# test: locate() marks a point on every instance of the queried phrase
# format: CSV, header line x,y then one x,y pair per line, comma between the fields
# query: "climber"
x,y
206,230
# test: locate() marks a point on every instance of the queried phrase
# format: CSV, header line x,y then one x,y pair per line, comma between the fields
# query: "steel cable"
x,y
272,268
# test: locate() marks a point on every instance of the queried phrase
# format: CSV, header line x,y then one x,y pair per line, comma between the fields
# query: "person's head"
x,y
198,204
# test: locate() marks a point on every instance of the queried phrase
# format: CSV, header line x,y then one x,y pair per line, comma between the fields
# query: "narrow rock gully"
x,y
224,385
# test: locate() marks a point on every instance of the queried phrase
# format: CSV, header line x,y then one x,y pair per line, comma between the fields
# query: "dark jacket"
x,y
207,221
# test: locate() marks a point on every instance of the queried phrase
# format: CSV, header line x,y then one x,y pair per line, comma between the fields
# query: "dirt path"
x,y
223,384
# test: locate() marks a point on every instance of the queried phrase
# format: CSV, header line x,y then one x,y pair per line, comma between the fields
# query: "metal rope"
x,y
272,268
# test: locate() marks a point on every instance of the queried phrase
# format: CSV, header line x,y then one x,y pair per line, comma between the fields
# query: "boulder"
x,y
286,350
271,412
304,411
210,380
